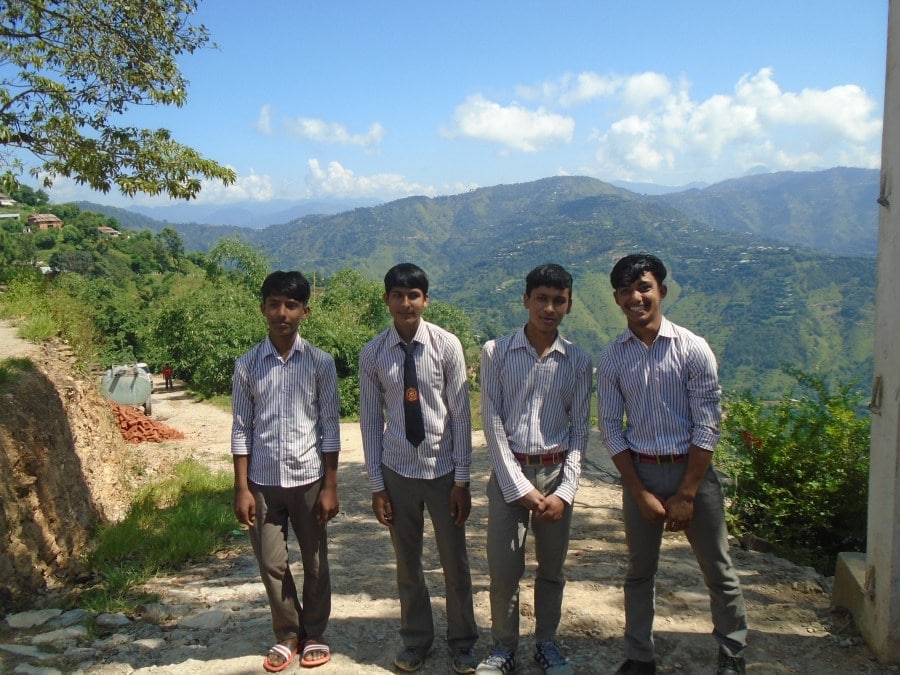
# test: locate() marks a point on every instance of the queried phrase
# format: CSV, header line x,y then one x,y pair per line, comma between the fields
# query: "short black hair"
x,y
406,275
632,267
548,274
289,284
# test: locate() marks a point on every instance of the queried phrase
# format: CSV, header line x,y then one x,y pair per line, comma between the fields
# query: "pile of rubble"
x,y
136,427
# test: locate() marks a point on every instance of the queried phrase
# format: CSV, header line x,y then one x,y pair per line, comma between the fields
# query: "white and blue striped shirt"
x,y
668,394
443,391
535,406
286,413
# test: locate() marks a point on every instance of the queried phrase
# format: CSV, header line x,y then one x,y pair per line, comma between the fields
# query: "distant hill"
x,y
759,300
248,214
833,210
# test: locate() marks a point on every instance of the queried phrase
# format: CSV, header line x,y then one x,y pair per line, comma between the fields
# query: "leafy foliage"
x,y
202,333
799,470
179,520
69,68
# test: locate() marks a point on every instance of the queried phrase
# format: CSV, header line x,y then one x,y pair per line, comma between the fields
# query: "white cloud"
x,y
662,134
844,111
264,120
253,187
643,89
569,90
339,181
332,132
512,126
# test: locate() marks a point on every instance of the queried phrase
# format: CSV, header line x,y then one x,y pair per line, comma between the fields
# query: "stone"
x,y
33,618
69,618
112,620
25,650
206,620
62,635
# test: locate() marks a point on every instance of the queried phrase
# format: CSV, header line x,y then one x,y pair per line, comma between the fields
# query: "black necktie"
x,y
412,407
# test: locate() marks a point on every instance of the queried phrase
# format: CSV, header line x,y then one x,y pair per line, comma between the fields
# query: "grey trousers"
x,y
508,526
708,538
275,508
409,498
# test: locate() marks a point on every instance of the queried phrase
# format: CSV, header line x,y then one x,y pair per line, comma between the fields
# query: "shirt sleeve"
x,y
329,405
704,395
508,473
579,424
371,417
242,411
457,401
610,406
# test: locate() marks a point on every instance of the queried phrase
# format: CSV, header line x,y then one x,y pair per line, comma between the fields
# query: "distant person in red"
x,y
167,376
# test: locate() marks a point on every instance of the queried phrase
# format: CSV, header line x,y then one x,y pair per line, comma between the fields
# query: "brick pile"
x,y
136,427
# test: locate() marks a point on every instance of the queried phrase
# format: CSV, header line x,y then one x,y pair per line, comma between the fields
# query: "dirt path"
x,y
792,629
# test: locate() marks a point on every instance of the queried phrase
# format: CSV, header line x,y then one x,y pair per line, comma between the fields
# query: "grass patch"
x,y
10,369
38,327
180,520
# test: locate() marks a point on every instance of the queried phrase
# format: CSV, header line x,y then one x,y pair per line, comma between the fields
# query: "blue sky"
x,y
381,100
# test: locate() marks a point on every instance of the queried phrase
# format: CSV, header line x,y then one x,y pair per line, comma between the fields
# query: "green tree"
x,y
239,261
27,195
345,315
201,333
70,68
799,470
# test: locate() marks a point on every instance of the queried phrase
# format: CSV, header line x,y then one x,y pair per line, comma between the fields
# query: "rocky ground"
x,y
212,617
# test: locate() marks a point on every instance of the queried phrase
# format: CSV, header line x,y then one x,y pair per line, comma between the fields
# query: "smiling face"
x,y
283,316
547,307
406,306
640,301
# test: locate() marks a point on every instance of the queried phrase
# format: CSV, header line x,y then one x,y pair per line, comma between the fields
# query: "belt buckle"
x,y
534,460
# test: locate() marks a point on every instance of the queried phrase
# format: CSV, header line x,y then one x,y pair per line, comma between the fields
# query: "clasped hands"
x,y
548,508
677,511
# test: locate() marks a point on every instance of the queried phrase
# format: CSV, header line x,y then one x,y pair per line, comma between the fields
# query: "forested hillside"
x,y
761,301
832,211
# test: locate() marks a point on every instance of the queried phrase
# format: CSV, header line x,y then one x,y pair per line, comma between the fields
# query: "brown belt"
x,y
539,460
659,459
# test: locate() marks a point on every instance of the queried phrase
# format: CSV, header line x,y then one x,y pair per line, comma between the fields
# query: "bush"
x,y
799,470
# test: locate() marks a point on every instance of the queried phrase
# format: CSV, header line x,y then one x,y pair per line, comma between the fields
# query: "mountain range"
x,y
772,269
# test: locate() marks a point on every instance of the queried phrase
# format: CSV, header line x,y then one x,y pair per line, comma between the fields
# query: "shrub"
x,y
799,470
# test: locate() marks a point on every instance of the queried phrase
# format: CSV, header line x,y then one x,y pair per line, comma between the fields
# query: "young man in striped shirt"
x,y
417,440
285,441
535,393
661,380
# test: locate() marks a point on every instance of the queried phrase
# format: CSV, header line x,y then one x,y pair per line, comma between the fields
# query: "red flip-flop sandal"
x,y
284,652
311,646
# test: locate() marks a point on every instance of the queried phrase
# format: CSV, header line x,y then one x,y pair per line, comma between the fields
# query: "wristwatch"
x,y
464,484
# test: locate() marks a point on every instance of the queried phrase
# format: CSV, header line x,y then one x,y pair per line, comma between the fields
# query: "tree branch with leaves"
x,y
69,69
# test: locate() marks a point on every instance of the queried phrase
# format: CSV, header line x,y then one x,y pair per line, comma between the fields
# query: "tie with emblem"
x,y
412,406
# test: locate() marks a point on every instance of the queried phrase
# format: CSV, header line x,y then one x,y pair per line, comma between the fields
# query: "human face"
x,y
641,301
406,306
547,307
283,315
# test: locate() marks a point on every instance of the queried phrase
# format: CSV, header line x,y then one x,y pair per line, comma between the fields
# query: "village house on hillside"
x,y
109,231
44,221
6,201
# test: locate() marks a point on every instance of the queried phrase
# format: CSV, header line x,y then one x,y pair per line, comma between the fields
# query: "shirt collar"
x,y
519,341
296,347
666,330
423,335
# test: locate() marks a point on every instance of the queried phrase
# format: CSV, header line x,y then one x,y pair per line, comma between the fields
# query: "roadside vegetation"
x,y
184,518
799,470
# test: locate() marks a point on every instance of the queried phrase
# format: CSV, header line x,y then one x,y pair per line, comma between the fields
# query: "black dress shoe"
x,y
632,667
731,665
